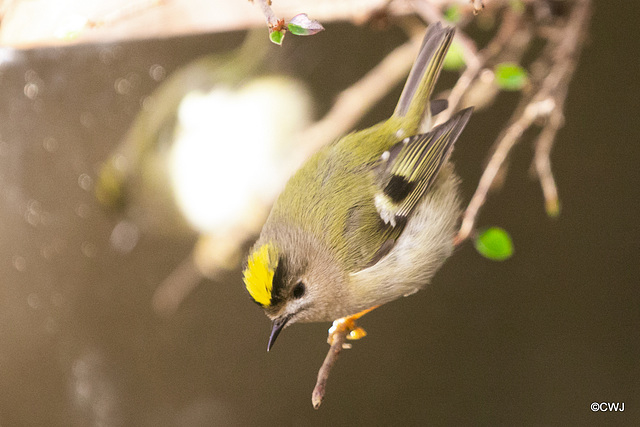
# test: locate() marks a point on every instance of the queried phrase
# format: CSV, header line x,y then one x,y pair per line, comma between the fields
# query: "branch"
x,y
567,56
511,23
542,161
509,137
337,346
354,102
546,102
341,330
270,16
175,288
299,25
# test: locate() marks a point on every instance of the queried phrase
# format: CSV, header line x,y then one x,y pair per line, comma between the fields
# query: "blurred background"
x,y
529,341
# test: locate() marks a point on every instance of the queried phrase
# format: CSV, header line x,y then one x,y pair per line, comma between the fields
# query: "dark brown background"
x,y
534,340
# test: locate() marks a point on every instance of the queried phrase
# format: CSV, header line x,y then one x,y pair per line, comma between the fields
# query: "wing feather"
x,y
412,165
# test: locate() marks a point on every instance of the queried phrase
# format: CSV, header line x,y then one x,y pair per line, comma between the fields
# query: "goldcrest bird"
x,y
368,218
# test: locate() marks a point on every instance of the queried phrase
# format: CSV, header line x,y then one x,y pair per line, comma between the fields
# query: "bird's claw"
x,y
347,326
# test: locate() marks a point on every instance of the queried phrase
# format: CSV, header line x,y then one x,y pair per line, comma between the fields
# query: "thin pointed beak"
x,y
278,325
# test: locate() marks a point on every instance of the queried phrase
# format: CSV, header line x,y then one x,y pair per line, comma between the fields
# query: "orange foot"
x,y
347,326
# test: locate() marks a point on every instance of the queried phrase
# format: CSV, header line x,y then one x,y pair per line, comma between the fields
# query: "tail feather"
x,y
424,73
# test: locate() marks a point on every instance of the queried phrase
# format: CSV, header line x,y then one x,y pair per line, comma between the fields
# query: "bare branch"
x,y
509,137
270,16
542,161
176,287
567,56
323,374
548,98
511,23
340,331
354,102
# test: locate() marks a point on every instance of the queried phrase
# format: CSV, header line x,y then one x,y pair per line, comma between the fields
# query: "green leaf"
x,y
301,25
453,14
494,243
454,60
510,76
297,30
277,37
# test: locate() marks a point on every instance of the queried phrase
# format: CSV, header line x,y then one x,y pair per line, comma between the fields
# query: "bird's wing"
x,y
409,168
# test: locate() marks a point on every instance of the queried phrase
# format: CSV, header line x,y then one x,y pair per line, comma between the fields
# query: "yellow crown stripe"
x,y
258,276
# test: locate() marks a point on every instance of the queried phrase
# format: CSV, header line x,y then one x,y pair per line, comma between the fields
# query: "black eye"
x,y
298,290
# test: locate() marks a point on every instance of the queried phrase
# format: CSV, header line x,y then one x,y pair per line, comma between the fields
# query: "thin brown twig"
x,y
510,136
341,330
549,97
353,103
567,54
270,16
176,287
542,161
323,374
510,24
